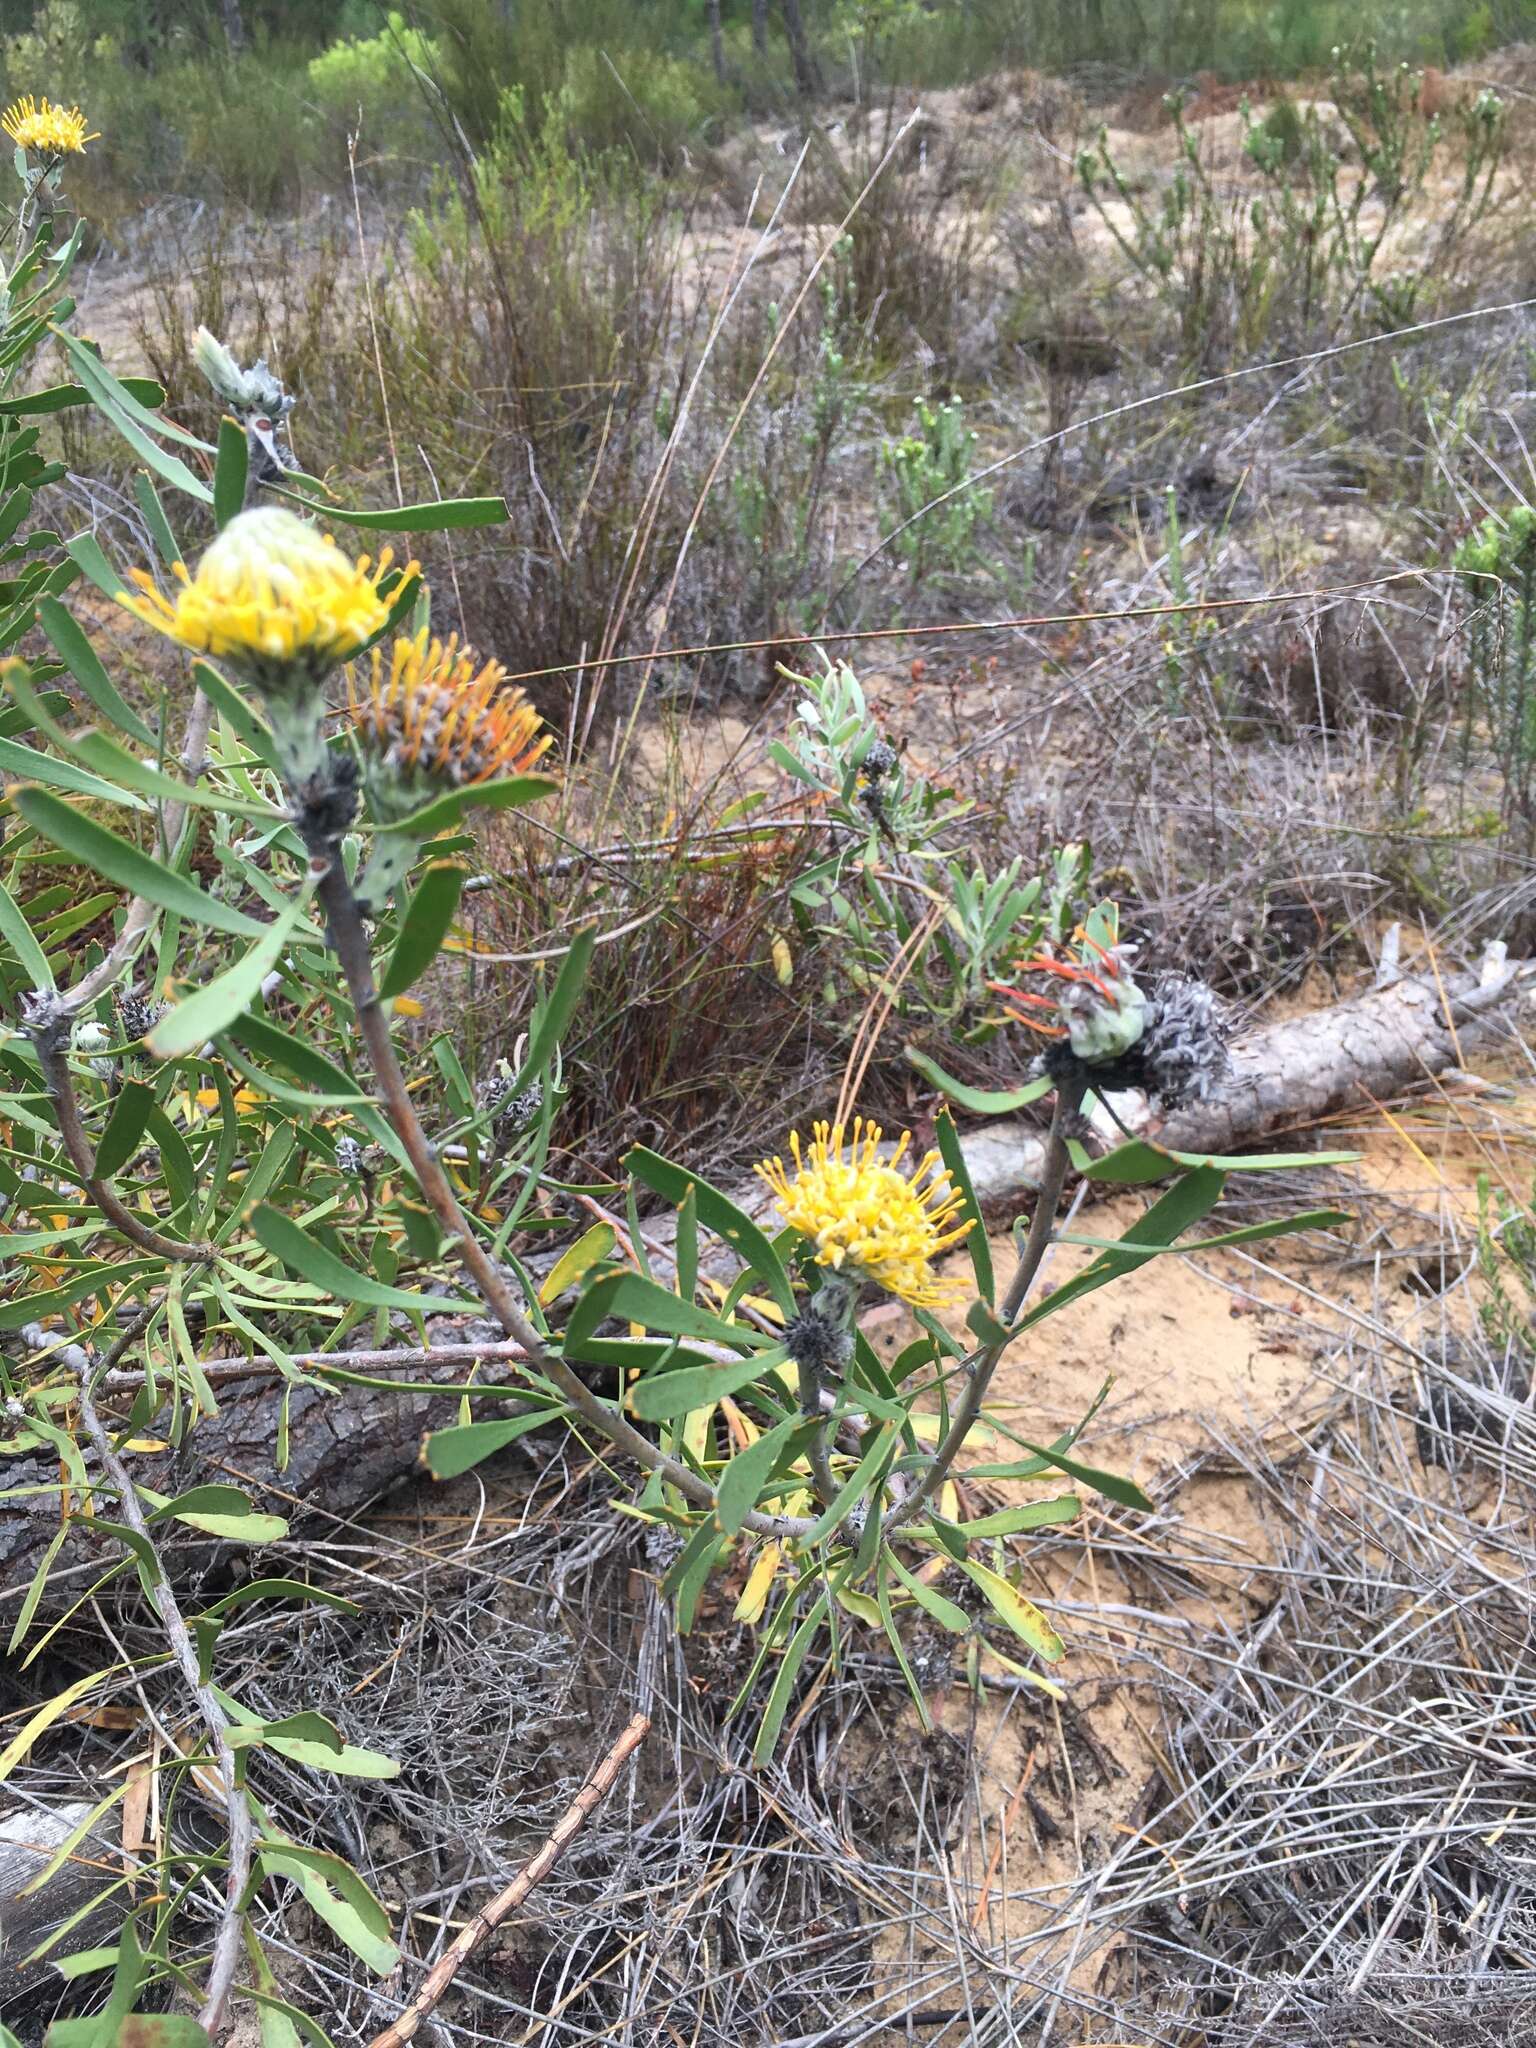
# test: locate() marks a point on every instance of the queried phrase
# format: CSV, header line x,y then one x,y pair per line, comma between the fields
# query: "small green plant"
x,y
936,462
1497,566
1302,259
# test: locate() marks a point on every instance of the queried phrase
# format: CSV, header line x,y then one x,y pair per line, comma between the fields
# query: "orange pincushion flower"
x,y
431,717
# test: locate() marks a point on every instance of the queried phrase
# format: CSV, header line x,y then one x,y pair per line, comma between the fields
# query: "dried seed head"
x,y
349,1157
138,1014
819,1338
1184,1048
879,760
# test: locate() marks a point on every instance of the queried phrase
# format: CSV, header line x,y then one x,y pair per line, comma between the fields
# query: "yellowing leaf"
x,y
1021,1615
405,1006
783,960
754,1597
588,1251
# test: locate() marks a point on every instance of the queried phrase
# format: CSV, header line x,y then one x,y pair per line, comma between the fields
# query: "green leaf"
x,y
976,1243
784,1681
125,1127
1194,1195
668,1394
1251,1233
336,1892
25,764
1141,1161
279,1589
556,1012
943,1610
979,1101
438,515
426,922
124,864
229,995
304,1255
509,794
220,1511
230,469
166,544
17,935
449,1452
750,1471
133,421
61,397
1039,1514
717,1212
84,550
1110,1484
630,1296
1021,1615
84,664
310,1728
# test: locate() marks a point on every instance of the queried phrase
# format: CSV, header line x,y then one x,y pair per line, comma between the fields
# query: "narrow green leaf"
x,y
303,1255
555,1013
944,1611
279,1589
425,923
84,664
717,1212
24,764
125,1128
631,1296
979,1101
668,1394
1141,1161
131,419
220,1511
84,550
750,1471
976,1244
61,397
230,469
340,1897
1039,1514
1110,1484
784,1681
438,515
449,1452
229,995
167,547
1192,1196
124,864
508,795
17,935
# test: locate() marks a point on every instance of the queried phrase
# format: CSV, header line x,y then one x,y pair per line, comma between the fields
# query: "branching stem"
x,y
1053,1177
227,1942
350,941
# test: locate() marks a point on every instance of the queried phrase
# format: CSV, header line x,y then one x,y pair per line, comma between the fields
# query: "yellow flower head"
x,y
50,130
868,1219
431,717
272,592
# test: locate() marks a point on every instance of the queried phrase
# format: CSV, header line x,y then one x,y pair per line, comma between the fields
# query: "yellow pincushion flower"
x,y
432,718
271,593
865,1217
50,130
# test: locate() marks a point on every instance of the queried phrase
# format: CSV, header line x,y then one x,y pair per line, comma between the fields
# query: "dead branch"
x,y
534,1871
